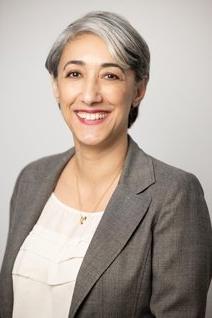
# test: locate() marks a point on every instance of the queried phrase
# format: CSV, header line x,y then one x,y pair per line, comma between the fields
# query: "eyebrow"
x,y
78,62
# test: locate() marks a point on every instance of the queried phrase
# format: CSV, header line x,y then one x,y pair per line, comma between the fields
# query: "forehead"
x,y
88,48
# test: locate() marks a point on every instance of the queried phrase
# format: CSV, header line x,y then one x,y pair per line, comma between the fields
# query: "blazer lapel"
x,y
124,212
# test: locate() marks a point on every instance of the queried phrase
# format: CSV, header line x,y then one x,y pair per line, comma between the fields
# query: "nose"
x,y
91,92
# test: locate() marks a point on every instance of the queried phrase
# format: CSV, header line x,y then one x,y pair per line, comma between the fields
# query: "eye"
x,y
73,74
111,76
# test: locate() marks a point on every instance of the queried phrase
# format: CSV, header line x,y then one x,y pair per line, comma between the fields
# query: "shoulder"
x,y
178,201
142,171
44,166
177,194
161,175
172,179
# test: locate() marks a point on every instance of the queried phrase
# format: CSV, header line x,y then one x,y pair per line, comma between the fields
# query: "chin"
x,y
90,140
94,140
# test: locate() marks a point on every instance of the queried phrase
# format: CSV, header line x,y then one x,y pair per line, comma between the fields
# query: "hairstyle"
x,y
125,44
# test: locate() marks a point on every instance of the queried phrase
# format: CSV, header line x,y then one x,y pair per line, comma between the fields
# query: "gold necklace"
x,y
84,218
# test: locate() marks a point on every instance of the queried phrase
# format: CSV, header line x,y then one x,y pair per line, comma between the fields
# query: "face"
x,y
95,94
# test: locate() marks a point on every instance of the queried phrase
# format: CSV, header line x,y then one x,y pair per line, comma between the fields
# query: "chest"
x,y
124,288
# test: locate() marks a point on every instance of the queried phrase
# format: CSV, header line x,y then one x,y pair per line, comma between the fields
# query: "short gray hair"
x,y
125,44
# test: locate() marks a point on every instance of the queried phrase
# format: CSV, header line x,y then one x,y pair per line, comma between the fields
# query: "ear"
x,y
140,90
55,89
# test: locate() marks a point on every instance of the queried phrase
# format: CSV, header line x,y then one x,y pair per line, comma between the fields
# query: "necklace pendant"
x,y
83,219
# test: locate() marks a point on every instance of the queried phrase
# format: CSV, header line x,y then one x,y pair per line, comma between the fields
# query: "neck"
x,y
94,164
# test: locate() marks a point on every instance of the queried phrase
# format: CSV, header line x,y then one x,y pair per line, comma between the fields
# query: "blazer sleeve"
x,y
13,200
6,293
182,253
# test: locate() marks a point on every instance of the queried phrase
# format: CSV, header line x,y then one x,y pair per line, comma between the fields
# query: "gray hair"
x,y
125,44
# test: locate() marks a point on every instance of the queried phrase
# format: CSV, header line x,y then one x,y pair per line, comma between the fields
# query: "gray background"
x,y
175,116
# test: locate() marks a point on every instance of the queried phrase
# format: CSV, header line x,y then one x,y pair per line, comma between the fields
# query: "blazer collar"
x,y
138,170
137,174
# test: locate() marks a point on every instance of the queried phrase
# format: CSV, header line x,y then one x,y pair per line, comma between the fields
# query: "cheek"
x,y
67,93
119,97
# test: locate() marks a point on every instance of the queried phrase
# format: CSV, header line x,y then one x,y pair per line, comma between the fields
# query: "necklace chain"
x,y
83,218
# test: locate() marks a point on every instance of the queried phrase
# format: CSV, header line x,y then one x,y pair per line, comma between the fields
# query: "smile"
x,y
91,117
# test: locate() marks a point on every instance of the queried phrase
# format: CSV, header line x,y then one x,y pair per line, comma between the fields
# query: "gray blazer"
x,y
151,255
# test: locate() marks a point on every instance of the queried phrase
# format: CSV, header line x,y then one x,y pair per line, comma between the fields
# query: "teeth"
x,y
91,116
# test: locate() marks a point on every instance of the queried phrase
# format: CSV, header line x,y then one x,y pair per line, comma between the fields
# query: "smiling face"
x,y
94,93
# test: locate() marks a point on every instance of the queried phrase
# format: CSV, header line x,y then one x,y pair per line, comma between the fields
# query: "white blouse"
x,y
46,267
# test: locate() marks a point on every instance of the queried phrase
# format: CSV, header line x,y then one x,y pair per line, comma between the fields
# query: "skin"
x,y
90,81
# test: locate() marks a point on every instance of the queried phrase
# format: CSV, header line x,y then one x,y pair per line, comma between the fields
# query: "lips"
x,y
91,117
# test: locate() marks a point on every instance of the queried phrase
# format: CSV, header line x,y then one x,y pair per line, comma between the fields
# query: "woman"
x,y
104,230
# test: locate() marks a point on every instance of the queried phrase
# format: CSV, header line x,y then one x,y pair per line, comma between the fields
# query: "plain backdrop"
x,y
175,117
